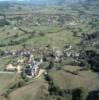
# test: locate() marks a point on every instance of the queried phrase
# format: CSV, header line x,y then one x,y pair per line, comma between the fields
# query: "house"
x,y
13,53
23,52
68,47
31,58
29,70
21,61
12,68
68,54
32,68
7,53
72,23
15,28
75,54
58,54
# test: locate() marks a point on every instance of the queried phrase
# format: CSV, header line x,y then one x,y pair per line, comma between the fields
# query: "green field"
x,y
38,86
85,79
6,80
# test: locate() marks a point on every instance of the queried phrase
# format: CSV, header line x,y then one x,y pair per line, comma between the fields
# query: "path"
x,y
40,73
4,72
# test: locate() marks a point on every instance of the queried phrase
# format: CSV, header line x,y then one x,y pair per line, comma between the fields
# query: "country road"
x,y
4,72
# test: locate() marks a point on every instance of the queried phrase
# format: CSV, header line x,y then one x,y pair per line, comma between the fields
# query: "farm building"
x,y
12,68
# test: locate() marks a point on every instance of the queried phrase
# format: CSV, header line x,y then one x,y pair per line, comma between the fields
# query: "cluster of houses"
x,y
72,54
32,69
68,54
32,66
48,19
22,52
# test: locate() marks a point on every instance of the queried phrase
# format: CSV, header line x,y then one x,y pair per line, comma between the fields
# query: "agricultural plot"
x,y
30,91
5,80
67,80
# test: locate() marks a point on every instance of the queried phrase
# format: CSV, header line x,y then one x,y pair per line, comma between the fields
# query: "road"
x,y
4,72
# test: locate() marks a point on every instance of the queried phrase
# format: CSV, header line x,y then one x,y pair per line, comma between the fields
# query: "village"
x,y
49,52
26,62
21,25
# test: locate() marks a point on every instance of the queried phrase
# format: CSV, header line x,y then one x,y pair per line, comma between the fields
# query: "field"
x,y
85,79
52,36
30,91
6,80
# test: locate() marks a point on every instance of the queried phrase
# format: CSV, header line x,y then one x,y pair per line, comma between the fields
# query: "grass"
x,y
58,39
5,80
49,28
29,91
85,79
3,62
2,98
55,38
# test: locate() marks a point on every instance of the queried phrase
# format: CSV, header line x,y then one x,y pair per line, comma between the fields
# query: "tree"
x,y
94,95
16,35
24,45
74,33
23,75
77,94
51,64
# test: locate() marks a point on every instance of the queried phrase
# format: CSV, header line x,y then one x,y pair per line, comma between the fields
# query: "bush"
x,y
3,22
51,65
16,35
79,94
23,75
17,84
